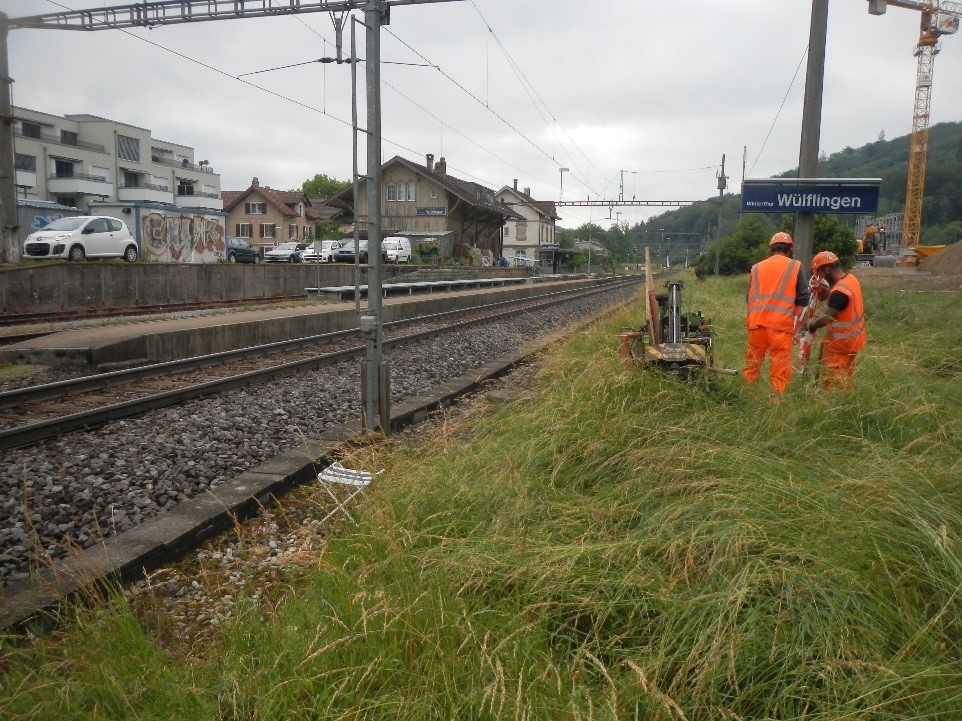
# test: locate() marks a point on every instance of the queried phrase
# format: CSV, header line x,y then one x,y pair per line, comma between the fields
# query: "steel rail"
x,y
42,430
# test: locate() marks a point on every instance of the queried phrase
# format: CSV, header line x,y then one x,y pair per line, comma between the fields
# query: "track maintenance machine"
x,y
671,340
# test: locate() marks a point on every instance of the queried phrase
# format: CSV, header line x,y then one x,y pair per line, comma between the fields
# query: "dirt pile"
x,y
945,262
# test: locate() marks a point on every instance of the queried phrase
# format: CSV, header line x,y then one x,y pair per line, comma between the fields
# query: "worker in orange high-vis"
x,y
845,318
777,291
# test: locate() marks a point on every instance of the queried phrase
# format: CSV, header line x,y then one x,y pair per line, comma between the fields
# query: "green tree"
x,y
322,187
829,234
327,230
747,245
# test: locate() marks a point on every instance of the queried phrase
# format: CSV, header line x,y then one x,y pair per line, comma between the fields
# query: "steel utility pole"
x,y
811,124
9,243
372,323
722,184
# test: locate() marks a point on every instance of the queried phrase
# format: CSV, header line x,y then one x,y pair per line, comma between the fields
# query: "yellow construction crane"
x,y
939,17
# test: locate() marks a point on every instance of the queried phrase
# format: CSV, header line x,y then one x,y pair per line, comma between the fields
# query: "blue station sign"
x,y
813,195
432,211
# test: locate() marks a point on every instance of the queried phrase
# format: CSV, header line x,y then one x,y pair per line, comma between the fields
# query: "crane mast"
x,y
937,19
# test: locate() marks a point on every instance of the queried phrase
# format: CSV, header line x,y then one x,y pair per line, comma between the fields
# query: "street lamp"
x,y
563,171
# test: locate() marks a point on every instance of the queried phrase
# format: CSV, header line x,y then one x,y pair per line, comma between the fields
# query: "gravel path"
x,y
72,491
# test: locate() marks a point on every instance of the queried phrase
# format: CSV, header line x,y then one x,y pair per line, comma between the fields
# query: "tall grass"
x,y
610,546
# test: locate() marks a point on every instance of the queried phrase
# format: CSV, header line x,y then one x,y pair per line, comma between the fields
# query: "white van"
x,y
396,249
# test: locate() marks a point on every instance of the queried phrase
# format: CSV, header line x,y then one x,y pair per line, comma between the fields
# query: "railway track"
x,y
36,413
81,489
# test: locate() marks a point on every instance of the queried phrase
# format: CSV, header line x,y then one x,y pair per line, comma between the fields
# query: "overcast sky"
x,y
521,88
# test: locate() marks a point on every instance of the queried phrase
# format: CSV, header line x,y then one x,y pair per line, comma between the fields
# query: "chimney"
x,y
527,191
442,166
515,183
430,162
255,183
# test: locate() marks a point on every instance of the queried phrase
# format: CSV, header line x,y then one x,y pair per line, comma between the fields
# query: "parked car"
x,y
345,252
395,249
320,251
239,250
83,236
285,253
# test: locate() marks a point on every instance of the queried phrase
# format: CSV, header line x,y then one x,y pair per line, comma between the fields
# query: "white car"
x,y
395,249
320,251
285,253
82,236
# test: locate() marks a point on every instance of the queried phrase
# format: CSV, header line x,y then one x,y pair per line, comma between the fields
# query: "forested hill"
x,y
885,159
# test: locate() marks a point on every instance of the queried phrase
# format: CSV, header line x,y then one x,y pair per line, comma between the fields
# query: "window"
x,y
114,225
184,187
30,130
128,148
101,173
292,229
255,208
68,138
67,200
507,231
27,163
411,188
434,193
268,230
159,182
244,230
391,193
63,168
131,180
307,232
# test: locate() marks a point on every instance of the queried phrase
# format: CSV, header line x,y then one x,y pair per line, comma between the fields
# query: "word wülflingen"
x,y
816,200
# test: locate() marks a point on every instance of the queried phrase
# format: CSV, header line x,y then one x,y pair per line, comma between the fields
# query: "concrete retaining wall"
x,y
54,286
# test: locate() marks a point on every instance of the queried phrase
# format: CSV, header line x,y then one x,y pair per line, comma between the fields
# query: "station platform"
x,y
118,345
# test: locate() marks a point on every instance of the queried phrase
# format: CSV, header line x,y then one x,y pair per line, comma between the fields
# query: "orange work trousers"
x,y
837,369
778,344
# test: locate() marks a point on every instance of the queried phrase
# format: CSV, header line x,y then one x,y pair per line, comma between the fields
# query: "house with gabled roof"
x,y
423,202
267,217
523,237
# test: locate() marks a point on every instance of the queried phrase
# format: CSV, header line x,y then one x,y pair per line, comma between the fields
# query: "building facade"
x,y
425,204
78,159
523,237
268,217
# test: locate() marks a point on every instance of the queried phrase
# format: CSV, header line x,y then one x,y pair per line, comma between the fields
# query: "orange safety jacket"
x,y
846,333
771,293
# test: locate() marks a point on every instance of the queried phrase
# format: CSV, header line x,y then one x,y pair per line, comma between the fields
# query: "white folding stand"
x,y
337,476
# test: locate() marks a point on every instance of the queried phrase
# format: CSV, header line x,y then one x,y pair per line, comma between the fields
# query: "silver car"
x,y
285,253
82,236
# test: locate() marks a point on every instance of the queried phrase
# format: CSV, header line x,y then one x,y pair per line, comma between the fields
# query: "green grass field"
x,y
608,546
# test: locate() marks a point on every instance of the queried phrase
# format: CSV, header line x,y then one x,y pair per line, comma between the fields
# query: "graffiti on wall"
x,y
183,238
42,221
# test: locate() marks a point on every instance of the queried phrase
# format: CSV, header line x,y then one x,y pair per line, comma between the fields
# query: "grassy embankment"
x,y
609,546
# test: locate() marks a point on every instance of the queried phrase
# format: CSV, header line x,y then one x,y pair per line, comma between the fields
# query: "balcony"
x,y
206,201
79,184
160,160
48,138
145,193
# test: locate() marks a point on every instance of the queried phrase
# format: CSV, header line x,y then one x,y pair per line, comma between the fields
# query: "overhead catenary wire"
x,y
779,112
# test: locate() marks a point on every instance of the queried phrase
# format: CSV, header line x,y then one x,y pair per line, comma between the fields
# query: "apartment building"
x,y
78,159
